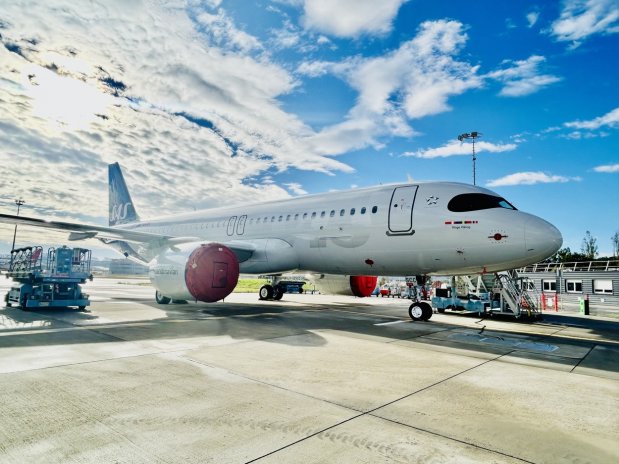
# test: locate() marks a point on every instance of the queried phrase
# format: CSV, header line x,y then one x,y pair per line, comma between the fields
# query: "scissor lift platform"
x,y
55,284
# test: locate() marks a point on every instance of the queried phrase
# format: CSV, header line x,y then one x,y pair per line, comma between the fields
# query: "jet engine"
x,y
206,272
360,286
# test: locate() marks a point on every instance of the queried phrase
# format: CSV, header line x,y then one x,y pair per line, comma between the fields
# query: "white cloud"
x,y
532,18
350,18
609,168
456,148
610,119
296,188
530,178
414,81
581,18
522,77
224,33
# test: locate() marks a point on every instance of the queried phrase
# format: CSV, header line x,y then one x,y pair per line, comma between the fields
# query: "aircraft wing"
x,y
83,231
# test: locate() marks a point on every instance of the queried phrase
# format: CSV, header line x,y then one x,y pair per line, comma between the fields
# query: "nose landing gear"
x,y
420,311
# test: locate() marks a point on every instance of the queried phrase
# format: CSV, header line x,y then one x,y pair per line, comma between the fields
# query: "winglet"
x,y
121,206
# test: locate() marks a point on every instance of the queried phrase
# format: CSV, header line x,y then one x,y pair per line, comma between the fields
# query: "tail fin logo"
x,y
118,213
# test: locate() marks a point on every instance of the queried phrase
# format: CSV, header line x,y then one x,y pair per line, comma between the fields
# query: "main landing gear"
x,y
271,292
420,311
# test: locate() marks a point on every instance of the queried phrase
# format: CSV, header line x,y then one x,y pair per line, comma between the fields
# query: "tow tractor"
x,y
53,284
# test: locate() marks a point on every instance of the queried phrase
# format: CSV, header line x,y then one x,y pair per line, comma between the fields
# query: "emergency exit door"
x,y
401,210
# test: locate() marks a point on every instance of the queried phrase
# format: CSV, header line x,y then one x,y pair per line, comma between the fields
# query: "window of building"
x,y
332,213
363,210
477,201
374,209
342,212
352,211
573,286
549,285
603,286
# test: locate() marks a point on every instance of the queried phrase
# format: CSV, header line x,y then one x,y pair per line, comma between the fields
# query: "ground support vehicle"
x,y
54,283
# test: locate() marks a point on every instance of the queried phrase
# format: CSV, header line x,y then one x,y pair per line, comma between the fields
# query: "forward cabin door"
x,y
401,207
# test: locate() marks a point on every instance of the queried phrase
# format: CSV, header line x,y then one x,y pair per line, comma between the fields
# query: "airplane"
x,y
347,237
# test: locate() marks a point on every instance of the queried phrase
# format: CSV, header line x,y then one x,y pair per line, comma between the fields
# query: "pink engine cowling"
x,y
211,272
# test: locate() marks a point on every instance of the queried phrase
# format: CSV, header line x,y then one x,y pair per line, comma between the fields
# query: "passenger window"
x,y
304,215
280,219
477,201
313,214
288,218
332,213
296,216
272,218
322,214
374,209
342,212
352,211
363,210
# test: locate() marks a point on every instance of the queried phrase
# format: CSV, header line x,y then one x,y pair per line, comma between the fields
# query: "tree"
x,y
565,255
615,240
589,246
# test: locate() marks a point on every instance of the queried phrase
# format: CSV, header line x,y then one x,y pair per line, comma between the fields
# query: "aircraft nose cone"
x,y
542,239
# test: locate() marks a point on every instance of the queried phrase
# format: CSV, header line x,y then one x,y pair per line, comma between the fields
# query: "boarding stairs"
x,y
517,295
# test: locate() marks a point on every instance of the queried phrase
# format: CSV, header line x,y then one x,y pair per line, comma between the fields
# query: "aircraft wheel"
x,y
266,292
277,293
426,310
160,299
415,311
441,310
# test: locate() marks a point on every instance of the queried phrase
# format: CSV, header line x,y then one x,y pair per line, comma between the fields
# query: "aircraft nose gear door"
x,y
401,210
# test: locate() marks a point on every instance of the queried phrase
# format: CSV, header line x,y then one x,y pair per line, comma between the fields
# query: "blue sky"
x,y
215,102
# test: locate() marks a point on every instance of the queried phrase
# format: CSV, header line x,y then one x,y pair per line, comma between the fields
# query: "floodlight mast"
x,y
472,136
19,203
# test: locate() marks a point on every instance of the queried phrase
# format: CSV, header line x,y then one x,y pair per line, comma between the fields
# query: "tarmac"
x,y
309,379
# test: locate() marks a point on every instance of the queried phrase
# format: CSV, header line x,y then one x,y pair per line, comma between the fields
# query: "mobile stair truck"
x,y
53,284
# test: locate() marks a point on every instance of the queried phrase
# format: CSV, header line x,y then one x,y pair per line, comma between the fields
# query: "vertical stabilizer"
x,y
121,206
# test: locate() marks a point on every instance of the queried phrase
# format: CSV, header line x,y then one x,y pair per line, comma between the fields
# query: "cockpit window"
x,y
477,201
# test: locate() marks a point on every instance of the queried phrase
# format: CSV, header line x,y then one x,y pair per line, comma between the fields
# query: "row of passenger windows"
x,y
313,215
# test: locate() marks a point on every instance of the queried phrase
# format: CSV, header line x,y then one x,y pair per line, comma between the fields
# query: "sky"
x,y
214,102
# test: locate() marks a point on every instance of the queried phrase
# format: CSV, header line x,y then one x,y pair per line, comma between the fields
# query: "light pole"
x,y
473,136
18,203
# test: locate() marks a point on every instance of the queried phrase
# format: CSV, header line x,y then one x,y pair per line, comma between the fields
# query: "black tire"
x,y
160,299
81,308
415,311
441,310
266,292
277,293
179,301
426,309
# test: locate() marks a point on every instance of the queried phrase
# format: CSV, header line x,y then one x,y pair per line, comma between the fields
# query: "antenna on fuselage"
x,y
473,136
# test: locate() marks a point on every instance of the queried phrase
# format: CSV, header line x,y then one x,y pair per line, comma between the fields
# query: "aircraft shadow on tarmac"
x,y
299,324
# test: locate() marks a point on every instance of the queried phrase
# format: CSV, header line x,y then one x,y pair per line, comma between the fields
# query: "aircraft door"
x,y
231,225
240,227
401,210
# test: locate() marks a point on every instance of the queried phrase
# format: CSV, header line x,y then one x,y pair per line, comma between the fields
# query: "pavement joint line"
x,y
94,361
262,382
447,437
371,411
583,358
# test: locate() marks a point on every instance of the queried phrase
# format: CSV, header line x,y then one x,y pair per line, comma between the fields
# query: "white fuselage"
x,y
388,230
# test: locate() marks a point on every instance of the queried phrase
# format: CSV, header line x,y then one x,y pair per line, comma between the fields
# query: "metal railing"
x,y
585,266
